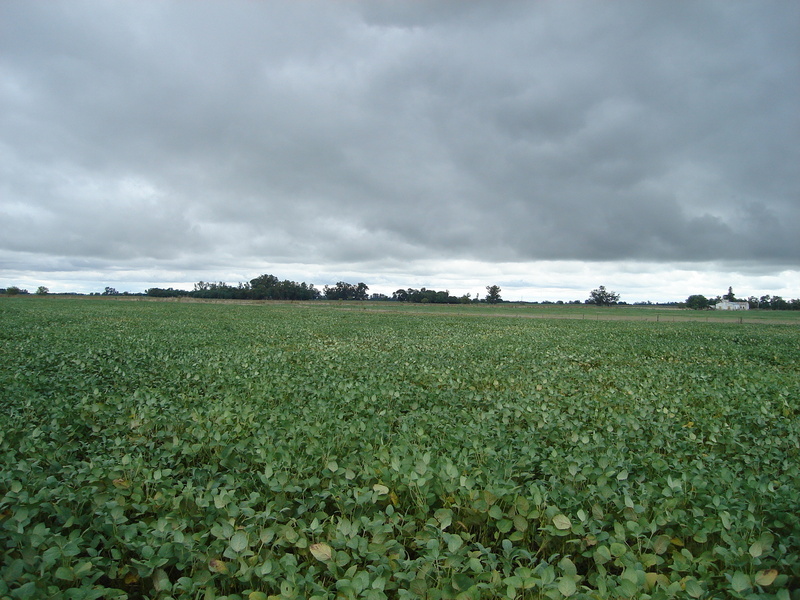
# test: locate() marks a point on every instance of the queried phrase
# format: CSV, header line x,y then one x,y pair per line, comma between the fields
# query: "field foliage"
x,y
157,450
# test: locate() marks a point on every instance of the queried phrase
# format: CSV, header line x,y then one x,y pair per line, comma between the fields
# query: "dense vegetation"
x,y
191,450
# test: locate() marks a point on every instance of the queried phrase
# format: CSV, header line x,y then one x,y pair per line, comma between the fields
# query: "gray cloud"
x,y
339,133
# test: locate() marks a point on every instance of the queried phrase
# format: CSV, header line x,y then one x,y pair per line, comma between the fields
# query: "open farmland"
x,y
189,450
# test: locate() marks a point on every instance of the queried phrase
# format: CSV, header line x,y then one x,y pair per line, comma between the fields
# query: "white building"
x,y
728,305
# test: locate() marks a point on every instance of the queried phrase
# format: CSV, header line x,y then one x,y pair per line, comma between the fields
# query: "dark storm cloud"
x,y
325,132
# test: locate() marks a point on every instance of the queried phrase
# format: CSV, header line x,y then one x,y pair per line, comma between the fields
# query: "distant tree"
x,y
165,293
346,291
400,295
603,297
493,294
269,287
110,291
779,303
360,292
730,297
42,291
697,302
13,290
264,281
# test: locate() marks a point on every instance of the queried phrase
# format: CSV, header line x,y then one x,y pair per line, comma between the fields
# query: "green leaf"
x,y
566,585
239,541
462,582
618,549
444,516
504,525
454,542
693,588
82,569
740,582
602,555
568,567
520,523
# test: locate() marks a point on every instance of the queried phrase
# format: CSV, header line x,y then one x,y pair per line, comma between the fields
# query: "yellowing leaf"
x,y
765,578
653,579
661,544
322,551
520,523
380,488
562,522
131,577
217,566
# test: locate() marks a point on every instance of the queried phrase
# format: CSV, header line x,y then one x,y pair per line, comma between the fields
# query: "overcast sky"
x,y
547,147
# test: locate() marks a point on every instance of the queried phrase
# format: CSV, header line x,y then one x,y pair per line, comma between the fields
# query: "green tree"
x,y
603,297
778,303
360,292
400,295
346,291
42,290
730,296
697,302
493,294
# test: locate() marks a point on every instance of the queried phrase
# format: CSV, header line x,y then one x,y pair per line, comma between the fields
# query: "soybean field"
x,y
309,450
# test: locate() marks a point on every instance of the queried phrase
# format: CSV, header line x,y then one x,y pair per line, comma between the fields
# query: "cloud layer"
x,y
225,136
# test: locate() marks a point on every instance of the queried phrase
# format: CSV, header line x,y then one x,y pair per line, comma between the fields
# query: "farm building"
x,y
729,305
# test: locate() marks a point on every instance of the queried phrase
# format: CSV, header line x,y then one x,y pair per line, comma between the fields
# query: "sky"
x,y
545,147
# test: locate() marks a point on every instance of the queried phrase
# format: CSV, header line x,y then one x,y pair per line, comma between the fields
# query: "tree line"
x,y
766,302
269,287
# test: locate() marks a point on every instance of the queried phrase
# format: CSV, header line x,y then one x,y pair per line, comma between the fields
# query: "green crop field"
x,y
322,450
